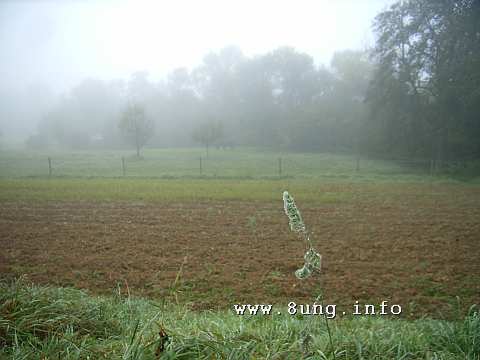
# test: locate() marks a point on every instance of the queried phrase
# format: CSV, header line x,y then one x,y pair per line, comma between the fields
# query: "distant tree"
x,y
139,88
215,77
293,77
294,83
181,106
352,70
135,126
216,84
256,110
208,133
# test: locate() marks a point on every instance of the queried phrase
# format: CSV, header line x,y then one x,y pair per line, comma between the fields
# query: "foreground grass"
x,y
53,323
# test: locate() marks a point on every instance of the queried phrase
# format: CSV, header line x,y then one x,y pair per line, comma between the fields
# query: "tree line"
x,y
415,93
424,96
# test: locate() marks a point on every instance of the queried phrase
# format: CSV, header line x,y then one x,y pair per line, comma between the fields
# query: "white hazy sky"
x,y
61,42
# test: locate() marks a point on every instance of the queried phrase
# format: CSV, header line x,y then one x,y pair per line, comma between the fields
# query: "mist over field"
x,y
70,68
347,76
248,158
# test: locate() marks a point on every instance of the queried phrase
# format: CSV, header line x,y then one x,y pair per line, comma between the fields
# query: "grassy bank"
x,y
52,323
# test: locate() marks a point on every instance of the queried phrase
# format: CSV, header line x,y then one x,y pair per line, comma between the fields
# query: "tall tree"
x,y
294,84
136,127
427,77
216,82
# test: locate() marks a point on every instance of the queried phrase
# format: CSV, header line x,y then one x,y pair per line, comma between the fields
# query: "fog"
x,y
48,47
338,76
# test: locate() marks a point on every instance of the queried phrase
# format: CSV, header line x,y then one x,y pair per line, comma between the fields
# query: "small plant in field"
x,y
252,224
312,259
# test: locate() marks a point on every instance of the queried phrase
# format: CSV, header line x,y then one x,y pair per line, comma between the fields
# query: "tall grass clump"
x,y
33,313
49,322
38,322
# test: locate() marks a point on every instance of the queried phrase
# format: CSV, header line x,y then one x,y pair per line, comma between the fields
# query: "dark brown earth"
x,y
421,252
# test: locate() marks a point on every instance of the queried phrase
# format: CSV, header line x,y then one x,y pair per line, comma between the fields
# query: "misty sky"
x,y
58,43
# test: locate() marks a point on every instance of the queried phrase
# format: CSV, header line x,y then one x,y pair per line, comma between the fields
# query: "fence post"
x,y
200,165
280,166
123,166
357,168
49,166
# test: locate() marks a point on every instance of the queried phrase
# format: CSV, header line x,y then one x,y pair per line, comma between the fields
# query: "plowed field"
x,y
420,250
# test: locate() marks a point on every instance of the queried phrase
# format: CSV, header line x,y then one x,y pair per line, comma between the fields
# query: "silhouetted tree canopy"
x,y
424,98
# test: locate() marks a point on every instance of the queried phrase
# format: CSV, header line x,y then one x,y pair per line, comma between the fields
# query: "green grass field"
x,y
174,175
237,163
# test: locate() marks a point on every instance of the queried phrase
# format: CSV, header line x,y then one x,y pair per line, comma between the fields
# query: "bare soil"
x,y
421,252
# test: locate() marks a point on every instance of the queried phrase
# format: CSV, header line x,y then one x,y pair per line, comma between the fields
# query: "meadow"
x,y
105,259
237,163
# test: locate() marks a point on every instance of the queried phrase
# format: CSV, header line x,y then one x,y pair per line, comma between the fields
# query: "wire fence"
x,y
226,164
